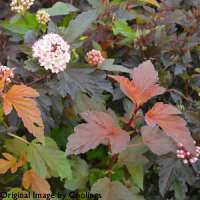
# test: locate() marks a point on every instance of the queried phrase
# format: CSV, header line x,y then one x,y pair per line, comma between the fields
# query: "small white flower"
x,y
42,16
186,156
52,52
6,72
94,57
20,6
185,161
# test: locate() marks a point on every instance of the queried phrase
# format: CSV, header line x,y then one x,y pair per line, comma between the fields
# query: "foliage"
x,y
111,126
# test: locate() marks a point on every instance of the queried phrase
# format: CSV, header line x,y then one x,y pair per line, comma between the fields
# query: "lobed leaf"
x,y
143,85
99,129
39,185
79,25
60,8
48,160
80,172
133,158
157,140
21,98
165,116
10,162
111,190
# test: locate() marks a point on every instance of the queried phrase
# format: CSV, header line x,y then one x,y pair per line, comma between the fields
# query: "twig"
x,y
19,138
135,145
38,80
132,119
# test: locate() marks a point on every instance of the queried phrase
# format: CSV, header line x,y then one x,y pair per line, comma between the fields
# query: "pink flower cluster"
x,y
94,57
186,156
53,52
6,72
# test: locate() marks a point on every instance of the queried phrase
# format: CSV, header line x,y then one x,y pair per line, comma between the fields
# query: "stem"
x,y
37,80
132,119
112,162
19,138
135,145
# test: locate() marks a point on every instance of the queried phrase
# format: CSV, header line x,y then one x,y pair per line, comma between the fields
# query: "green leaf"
x,y
111,190
48,159
36,160
121,27
108,65
60,135
79,25
96,174
1,114
15,146
20,24
79,174
137,173
134,160
60,8
117,173
180,189
96,46
97,154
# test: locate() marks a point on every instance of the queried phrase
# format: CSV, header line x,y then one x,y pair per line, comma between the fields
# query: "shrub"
x,y
100,99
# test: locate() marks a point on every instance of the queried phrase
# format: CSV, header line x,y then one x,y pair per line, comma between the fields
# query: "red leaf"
x,y
165,116
143,86
99,129
157,140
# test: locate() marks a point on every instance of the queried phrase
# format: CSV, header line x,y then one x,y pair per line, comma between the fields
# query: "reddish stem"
x,y
112,162
38,80
132,119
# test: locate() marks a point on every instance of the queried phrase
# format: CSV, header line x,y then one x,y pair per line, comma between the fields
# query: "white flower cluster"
x,y
8,72
42,16
186,156
20,6
53,52
94,57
